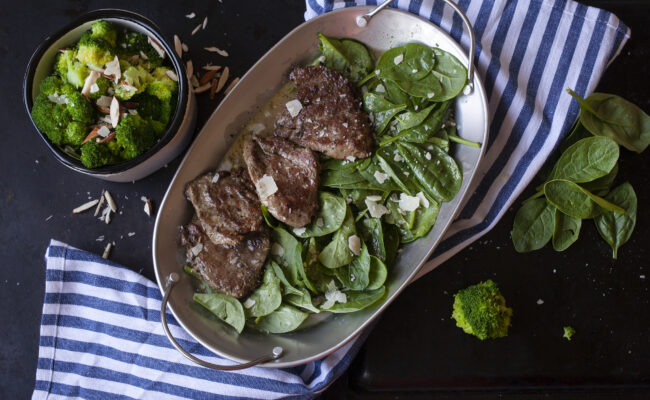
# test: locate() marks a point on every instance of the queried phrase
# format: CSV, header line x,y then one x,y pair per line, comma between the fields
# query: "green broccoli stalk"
x,y
95,155
134,135
480,310
69,69
568,332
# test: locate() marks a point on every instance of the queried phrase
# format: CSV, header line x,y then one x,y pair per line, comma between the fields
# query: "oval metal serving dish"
x,y
387,29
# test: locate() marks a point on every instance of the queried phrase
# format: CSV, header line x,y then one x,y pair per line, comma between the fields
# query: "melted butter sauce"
x,y
262,123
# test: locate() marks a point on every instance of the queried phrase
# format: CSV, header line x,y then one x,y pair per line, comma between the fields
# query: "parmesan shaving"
x,y
294,107
266,186
354,243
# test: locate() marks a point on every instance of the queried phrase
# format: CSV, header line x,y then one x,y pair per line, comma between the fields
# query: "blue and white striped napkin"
x,y
100,333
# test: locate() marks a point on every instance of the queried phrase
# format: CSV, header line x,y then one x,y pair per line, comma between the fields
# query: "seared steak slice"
x,y
226,205
232,270
331,119
293,169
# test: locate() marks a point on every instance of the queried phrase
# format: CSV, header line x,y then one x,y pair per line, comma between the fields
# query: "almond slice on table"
x,y
207,77
213,49
196,29
85,206
178,46
231,85
190,69
223,78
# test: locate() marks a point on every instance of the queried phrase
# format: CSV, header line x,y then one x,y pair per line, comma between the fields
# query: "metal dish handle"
x,y
171,280
362,21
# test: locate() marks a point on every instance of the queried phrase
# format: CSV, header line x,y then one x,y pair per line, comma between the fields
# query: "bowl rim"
x,y
175,121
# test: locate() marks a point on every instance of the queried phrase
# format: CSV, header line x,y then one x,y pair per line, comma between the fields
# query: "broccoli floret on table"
x,y
134,135
95,155
568,332
70,69
480,310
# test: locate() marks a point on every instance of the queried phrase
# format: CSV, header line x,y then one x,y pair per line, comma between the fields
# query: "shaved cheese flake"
x,y
57,99
299,231
90,82
194,250
380,89
249,303
113,69
408,203
156,46
103,131
376,210
430,95
319,222
427,155
94,88
351,158
294,107
374,198
354,243
115,112
104,101
398,58
423,199
398,158
277,250
333,295
266,186
380,177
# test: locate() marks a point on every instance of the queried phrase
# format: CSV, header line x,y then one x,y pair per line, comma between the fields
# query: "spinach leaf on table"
x,y
267,297
576,201
227,308
533,226
330,216
602,185
357,300
586,160
612,116
285,319
567,229
614,227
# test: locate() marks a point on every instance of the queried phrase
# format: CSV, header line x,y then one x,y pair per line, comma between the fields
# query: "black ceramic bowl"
x,y
181,126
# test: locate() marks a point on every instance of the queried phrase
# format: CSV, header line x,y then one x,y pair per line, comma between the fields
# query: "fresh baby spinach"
x,y
533,226
567,229
574,200
616,228
227,308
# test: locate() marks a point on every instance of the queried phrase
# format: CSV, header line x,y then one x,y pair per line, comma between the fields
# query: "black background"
x,y
415,351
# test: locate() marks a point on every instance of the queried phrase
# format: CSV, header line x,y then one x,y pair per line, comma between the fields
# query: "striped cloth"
x,y
100,333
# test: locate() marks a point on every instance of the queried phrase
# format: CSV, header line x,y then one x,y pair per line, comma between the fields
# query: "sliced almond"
x,y
190,15
112,70
210,67
107,250
231,85
184,47
189,69
156,46
223,79
194,81
196,29
172,75
85,206
143,56
178,46
108,138
207,77
213,49
110,201
213,89
99,205
205,22
203,88
147,207
89,82
93,134
115,112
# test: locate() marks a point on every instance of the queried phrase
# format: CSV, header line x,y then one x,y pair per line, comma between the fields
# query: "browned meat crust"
x,y
227,207
235,270
295,171
331,120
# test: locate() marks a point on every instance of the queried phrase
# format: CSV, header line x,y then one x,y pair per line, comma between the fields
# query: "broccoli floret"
x,y
133,43
134,135
162,86
69,69
51,118
568,332
75,133
102,84
104,30
136,77
51,85
79,108
480,310
94,155
94,51
156,112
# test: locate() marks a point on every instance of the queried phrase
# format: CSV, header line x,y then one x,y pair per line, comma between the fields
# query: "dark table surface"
x,y
415,351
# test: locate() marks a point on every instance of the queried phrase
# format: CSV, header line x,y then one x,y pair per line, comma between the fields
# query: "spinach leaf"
x,y
287,287
355,276
227,308
533,225
373,234
393,170
451,74
409,119
346,56
586,160
382,110
395,94
329,218
315,271
574,200
617,228
391,242
425,218
342,179
567,229
429,128
303,301
377,275
404,220
612,116
267,297
602,185
291,258
285,319
357,301
410,62
428,87
199,283
438,173
370,170
337,253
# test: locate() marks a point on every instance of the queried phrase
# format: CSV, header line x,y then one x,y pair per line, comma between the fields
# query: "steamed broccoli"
x,y
137,78
134,135
102,85
94,51
164,89
94,155
104,30
133,43
75,133
57,106
568,332
69,69
480,310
